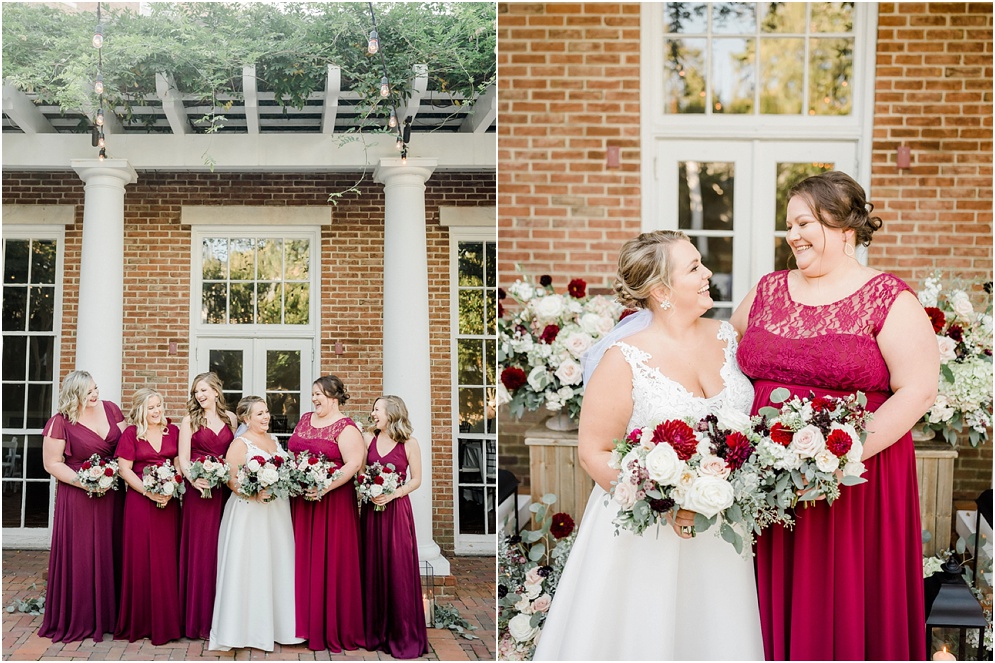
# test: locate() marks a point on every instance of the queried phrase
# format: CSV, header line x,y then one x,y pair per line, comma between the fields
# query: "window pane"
x,y
283,370
471,461
39,404
43,257
788,175
471,312
471,510
215,258
830,73
490,313
781,67
35,464
471,410
832,17
270,302
12,495
13,458
783,17
15,261
733,75
285,412
298,258
471,264
490,361
716,255
687,17
734,18
227,364
705,195
270,256
298,304
13,406
15,350
42,358
490,264
15,304
242,259
242,303
36,511
684,74
214,303
470,370
490,411
783,258
42,308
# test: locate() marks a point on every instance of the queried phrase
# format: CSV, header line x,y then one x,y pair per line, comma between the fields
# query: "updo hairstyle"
x,y
839,202
245,406
644,264
332,387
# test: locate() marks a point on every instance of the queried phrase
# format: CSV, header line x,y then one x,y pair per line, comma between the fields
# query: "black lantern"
x,y
954,607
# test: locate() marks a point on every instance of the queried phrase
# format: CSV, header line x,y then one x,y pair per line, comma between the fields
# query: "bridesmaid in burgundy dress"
x,y
326,532
395,614
207,430
81,598
846,583
150,604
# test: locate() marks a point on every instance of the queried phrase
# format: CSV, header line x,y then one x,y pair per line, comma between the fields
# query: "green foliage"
x,y
34,605
447,616
205,45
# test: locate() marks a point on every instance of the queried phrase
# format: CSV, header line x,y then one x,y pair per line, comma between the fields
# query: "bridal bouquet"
x,y
98,475
540,346
378,480
162,479
309,471
258,474
213,469
964,336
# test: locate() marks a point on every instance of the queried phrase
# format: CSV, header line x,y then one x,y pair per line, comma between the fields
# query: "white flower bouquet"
x,y
258,474
541,344
162,479
378,480
964,336
98,475
214,470
310,471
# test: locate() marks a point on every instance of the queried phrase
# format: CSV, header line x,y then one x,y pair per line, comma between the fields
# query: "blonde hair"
x,y
73,394
644,264
245,406
399,427
138,416
198,419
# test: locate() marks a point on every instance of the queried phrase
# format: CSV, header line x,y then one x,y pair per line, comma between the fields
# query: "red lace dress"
x,y
846,583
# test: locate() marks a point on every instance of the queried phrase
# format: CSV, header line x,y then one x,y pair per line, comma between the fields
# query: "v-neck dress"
x,y
81,596
150,600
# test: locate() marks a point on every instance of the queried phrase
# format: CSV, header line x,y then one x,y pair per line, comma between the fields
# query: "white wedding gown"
x,y
254,603
656,596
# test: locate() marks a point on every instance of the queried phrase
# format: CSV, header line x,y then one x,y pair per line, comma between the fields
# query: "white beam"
x,y
172,103
333,90
112,123
483,113
251,98
24,113
419,85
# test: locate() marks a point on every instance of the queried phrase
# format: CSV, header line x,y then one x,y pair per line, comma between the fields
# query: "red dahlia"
x,y
388,470
259,459
178,478
678,435
820,403
513,378
278,460
626,313
577,288
839,442
937,318
738,450
312,460
378,480
956,333
85,466
634,436
781,435
549,334
562,525
108,472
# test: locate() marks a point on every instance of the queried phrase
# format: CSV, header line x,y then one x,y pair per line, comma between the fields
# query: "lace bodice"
x,y
656,397
252,450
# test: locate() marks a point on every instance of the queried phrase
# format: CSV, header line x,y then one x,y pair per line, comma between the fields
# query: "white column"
x,y
406,361
100,324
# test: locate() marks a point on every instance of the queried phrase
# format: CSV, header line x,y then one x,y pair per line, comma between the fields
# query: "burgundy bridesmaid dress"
x,y
81,597
846,583
150,599
326,536
201,521
395,614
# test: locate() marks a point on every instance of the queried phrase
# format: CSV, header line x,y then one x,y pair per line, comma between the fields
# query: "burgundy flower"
x,y
278,460
361,478
108,472
781,435
562,525
378,480
388,470
312,460
820,403
500,310
178,478
549,334
839,442
626,313
259,459
937,318
662,506
678,435
738,450
86,465
545,280
956,332
513,378
501,293
634,436
577,288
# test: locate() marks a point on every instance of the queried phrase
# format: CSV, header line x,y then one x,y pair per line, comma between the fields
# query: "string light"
x,y
100,141
100,117
384,87
403,137
392,122
404,157
103,154
374,44
98,87
399,144
98,36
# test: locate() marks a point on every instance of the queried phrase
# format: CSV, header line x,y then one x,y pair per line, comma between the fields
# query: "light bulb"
x,y
100,117
98,36
98,87
392,122
384,87
399,144
100,141
404,157
103,154
374,44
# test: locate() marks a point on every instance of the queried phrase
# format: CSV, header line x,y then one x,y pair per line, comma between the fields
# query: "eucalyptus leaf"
x,y
927,536
848,480
779,395
549,498
537,551
769,412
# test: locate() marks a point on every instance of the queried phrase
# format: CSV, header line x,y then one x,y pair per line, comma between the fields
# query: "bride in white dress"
x,y
254,602
668,594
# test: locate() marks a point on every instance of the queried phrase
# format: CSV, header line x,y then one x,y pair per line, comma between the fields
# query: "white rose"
x,y
948,348
853,468
548,308
625,494
539,378
688,477
708,496
856,451
542,603
663,465
713,466
253,465
704,446
615,460
269,476
570,372
164,472
521,291
961,304
826,461
524,605
577,343
808,442
532,590
95,471
167,489
596,325
732,419
521,629
105,482
376,490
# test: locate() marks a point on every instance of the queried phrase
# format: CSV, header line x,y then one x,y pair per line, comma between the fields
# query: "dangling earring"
x,y
666,304
848,250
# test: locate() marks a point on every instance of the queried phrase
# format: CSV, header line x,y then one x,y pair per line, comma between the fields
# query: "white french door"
x,y
277,369
729,197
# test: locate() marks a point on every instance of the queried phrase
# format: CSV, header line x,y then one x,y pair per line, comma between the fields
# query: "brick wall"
x,y
157,282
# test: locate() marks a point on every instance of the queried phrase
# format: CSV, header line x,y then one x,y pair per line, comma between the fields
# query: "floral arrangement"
x,y
309,471
162,479
378,480
98,475
540,346
529,569
258,474
211,468
964,336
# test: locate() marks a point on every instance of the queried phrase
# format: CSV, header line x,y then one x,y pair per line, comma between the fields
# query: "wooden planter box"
x,y
935,469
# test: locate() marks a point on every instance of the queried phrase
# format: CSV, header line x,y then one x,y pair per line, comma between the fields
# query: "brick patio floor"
x,y
475,592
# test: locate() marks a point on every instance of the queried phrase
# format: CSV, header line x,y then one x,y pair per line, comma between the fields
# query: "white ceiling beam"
x,y
172,103
483,113
251,98
333,90
23,112
419,85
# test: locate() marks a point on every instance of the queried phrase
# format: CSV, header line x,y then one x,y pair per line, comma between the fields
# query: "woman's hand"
x,y
383,500
157,498
315,494
683,523
264,496
201,485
